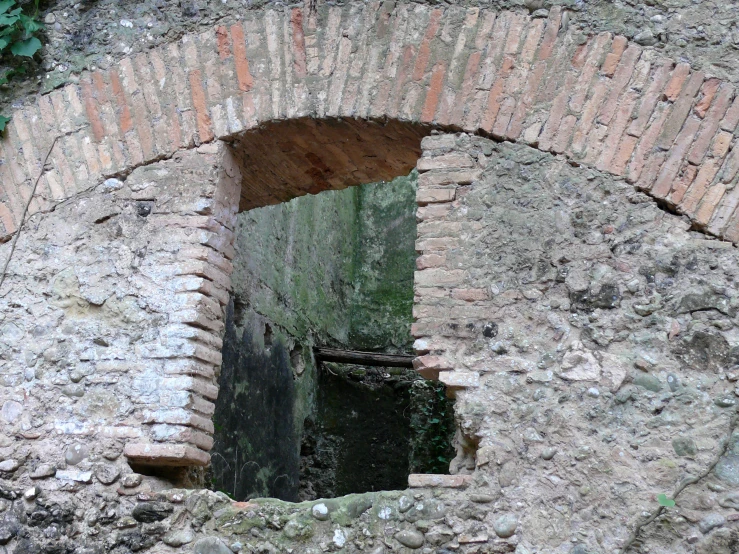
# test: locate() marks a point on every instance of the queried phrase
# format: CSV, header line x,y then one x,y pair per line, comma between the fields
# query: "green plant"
x,y
432,425
664,501
18,38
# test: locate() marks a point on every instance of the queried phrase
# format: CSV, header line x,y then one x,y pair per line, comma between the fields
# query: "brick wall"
x,y
601,101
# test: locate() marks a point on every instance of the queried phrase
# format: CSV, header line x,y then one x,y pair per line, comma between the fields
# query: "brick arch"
x,y
365,83
601,101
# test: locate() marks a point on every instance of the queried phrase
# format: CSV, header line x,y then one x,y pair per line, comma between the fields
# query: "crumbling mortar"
x,y
684,484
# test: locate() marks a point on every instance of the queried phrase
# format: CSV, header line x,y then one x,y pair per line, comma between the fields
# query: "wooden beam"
x,y
363,358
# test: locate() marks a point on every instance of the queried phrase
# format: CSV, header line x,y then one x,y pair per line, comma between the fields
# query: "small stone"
x,y
43,471
237,547
593,392
126,522
112,184
71,475
404,504
730,501
710,522
505,526
150,512
107,474
11,410
178,538
75,454
548,453
74,390
320,511
727,470
131,480
32,493
684,446
648,381
8,530
410,538
645,38
210,545
673,382
725,401
9,466
482,498
624,395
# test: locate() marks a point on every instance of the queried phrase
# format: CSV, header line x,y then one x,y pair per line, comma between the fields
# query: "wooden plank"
x,y
363,358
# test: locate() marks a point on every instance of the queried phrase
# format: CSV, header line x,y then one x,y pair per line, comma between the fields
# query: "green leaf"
x,y
26,47
30,25
10,18
664,501
5,5
4,43
3,122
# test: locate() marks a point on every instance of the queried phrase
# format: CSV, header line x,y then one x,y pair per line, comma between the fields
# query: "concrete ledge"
x,y
166,455
429,480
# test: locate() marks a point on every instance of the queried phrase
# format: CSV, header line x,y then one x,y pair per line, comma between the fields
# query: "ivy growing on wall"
x,y
18,39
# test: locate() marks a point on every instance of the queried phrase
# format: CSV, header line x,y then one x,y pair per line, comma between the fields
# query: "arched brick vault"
x,y
288,105
603,102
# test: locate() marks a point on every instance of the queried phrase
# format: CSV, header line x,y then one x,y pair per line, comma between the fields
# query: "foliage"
x,y
664,501
432,428
18,39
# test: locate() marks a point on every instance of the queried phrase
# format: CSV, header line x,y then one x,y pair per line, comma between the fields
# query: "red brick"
x,y
515,32
617,130
623,154
494,96
710,125
675,158
731,166
709,203
708,91
7,219
299,60
432,195
468,86
527,99
424,51
680,111
682,183
401,80
125,118
592,62
470,295
205,131
528,51
646,143
727,208
246,81
504,118
721,144
92,113
430,260
550,34
620,81
651,170
731,120
612,59
699,187
677,79
650,99
556,113
223,41
445,161
433,93
562,139
585,125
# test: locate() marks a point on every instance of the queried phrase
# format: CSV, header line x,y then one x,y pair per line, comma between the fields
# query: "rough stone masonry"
x,y
586,331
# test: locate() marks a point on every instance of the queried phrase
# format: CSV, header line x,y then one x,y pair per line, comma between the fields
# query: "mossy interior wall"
x,y
334,269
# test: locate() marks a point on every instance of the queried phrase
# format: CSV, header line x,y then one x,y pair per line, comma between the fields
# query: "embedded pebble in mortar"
x,y
320,511
505,525
410,538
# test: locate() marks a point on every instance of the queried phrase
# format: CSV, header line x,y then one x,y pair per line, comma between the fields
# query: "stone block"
x,y
428,480
166,455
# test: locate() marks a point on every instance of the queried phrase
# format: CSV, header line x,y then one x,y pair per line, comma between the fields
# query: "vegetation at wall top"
x,y
18,39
